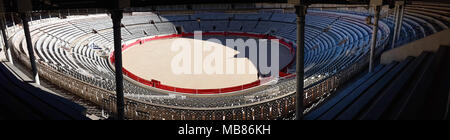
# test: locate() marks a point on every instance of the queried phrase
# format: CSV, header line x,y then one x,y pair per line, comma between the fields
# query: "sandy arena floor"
x,y
152,60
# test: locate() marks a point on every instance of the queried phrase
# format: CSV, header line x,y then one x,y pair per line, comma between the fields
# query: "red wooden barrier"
x,y
208,91
232,89
157,84
185,90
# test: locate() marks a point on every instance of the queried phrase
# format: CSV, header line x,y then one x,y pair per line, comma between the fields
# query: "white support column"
x,y
30,49
4,21
6,48
4,33
25,8
402,12
399,8
374,38
31,16
13,21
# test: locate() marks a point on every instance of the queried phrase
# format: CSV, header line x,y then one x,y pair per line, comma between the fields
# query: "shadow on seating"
x,y
22,101
414,89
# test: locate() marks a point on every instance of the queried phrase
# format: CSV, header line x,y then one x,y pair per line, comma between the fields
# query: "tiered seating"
x,y
62,45
416,88
83,62
420,20
283,17
320,51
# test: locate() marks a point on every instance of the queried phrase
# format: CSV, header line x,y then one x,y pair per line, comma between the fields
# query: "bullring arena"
x,y
75,52
152,61
149,62
254,101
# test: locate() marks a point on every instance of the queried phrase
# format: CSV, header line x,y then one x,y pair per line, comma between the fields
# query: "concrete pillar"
x,y
116,16
374,38
26,29
6,48
399,11
4,21
301,19
31,16
402,13
13,21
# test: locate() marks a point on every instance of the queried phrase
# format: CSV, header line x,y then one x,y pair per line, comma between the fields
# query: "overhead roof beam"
x,y
106,4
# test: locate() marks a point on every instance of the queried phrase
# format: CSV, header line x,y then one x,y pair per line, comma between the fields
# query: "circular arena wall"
x,y
155,83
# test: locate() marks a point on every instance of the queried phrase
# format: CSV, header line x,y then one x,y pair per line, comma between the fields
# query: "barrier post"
x,y
374,38
399,11
301,16
30,49
116,16
6,48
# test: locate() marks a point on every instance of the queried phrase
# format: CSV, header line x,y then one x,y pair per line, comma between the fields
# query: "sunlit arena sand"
x,y
153,61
